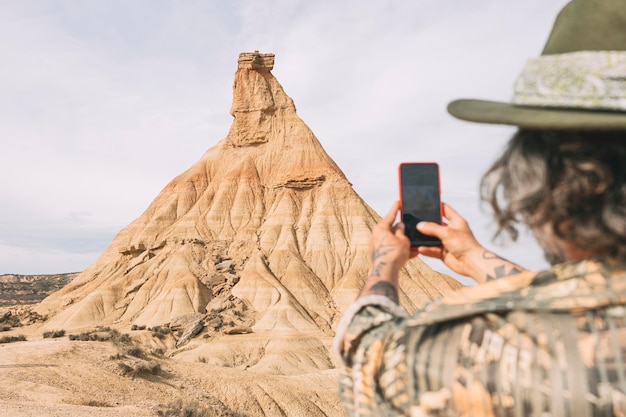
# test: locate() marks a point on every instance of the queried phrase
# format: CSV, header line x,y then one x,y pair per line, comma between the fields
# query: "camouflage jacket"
x,y
546,344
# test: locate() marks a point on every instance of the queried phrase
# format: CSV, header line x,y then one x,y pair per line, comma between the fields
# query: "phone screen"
x,y
420,199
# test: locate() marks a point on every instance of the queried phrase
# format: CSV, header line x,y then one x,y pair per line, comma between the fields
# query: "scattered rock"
x,y
192,330
238,330
185,321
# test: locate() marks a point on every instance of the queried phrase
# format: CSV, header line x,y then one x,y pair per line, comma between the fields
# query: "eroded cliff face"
x,y
263,236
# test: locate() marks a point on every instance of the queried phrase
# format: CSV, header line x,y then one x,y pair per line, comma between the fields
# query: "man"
x,y
528,344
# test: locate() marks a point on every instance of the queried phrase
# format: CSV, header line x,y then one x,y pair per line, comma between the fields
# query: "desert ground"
x,y
128,374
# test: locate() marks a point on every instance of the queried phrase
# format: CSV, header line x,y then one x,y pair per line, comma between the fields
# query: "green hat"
x,y
578,82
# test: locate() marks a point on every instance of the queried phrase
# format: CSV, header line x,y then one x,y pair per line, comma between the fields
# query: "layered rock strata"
x,y
264,237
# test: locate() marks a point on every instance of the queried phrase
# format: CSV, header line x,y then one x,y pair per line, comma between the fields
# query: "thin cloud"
x,y
102,103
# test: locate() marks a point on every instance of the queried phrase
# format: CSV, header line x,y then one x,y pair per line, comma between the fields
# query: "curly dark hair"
x,y
571,181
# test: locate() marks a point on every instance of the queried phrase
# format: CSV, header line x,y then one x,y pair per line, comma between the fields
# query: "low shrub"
x,y
102,334
160,332
209,407
95,403
84,337
11,339
140,370
135,351
53,334
157,351
179,408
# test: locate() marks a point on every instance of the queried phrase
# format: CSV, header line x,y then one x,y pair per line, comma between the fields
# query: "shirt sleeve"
x,y
518,346
360,317
358,344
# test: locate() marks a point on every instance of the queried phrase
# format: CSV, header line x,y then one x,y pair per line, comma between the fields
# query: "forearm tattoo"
x,y
381,287
500,270
380,250
385,288
376,269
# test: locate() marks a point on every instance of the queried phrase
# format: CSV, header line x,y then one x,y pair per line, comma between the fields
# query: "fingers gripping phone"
x,y
420,199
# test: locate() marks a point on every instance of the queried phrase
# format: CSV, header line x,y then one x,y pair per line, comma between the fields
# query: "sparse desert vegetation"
x,y
11,339
180,408
139,370
131,360
53,334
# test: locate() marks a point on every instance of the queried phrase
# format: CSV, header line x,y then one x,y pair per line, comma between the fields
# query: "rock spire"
x,y
263,236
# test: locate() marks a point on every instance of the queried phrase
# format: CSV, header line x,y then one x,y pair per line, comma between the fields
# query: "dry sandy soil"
x,y
62,377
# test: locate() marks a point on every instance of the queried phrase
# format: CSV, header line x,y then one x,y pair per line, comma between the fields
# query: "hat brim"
x,y
482,111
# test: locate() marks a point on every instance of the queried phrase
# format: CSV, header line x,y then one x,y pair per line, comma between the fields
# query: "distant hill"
x,y
18,290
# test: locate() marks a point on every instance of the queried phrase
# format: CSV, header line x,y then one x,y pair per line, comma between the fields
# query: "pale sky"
x,y
103,102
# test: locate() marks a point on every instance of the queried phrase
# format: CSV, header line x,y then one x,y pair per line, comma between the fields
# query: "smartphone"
x,y
420,199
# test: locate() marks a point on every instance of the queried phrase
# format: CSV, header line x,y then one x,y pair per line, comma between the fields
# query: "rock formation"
x,y
263,240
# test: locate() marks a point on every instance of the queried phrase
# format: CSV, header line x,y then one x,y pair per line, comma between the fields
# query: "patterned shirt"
x,y
546,344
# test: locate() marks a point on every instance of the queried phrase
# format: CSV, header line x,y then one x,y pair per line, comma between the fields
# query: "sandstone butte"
x,y
255,251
